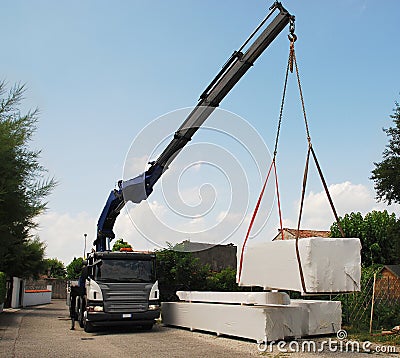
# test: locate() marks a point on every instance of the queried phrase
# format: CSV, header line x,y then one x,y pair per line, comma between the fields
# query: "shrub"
x,y
74,269
386,316
224,280
2,287
179,271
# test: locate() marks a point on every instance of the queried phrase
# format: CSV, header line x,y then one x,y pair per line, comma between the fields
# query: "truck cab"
x,y
120,289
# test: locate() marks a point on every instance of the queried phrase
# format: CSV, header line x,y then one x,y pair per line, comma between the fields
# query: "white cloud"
x,y
142,216
134,166
64,234
347,197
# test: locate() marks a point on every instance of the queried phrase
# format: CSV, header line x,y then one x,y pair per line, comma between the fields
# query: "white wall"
x,y
18,288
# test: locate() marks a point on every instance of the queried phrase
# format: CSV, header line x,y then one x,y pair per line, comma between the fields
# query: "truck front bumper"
x,y
137,318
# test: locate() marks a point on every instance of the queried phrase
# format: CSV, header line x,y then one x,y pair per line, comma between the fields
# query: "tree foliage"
x,y
22,187
120,244
225,280
386,175
54,268
179,271
74,268
2,287
378,232
24,258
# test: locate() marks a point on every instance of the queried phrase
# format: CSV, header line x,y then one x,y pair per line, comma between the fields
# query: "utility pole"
x,y
84,250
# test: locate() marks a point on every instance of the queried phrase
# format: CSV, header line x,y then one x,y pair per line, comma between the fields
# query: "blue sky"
x,y
101,71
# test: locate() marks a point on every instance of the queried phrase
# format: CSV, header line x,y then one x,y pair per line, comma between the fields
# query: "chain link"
x,y
282,106
301,98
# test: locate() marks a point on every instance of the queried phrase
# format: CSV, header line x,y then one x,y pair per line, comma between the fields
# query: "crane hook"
x,y
292,38
291,25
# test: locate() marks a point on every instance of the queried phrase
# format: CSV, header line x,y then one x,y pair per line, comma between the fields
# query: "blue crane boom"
x,y
140,187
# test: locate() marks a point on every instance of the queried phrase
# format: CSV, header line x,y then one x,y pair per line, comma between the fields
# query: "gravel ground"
x,y
44,331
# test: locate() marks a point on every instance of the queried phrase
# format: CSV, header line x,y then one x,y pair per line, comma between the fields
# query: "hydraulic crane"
x,y
121,287
140,187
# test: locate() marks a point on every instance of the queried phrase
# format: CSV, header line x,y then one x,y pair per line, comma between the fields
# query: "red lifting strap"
x,y
256,211
279,201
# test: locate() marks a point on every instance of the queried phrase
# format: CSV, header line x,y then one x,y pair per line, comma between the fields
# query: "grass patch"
x,y
375,337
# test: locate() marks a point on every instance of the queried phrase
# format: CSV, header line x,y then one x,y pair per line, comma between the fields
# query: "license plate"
x,y
127,315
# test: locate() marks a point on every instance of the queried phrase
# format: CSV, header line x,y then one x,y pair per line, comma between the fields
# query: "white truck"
x,y
117,288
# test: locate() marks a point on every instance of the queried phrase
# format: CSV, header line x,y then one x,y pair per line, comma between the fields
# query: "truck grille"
x,y
125,297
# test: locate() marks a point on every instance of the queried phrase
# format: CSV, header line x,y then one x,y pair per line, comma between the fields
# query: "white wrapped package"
x,y
329,265
324,317
243,298
259,323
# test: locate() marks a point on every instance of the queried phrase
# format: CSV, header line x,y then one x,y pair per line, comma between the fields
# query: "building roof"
x,y
394,269
292,233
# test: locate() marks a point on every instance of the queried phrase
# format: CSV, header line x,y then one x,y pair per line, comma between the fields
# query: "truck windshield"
x,y
125,271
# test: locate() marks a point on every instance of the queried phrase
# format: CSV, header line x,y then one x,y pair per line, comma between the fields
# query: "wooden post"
x,y
372,304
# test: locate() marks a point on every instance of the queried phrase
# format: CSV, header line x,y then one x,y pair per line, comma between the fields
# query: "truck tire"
x,y
88,326
81,311
148,327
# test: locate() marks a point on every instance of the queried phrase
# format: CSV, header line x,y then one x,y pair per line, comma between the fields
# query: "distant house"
x,y
218,257
291,234
387,284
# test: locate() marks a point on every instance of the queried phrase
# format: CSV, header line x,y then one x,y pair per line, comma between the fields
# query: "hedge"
x,y
2,287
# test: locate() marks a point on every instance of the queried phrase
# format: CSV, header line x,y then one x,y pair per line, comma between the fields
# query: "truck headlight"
x,y
95,308
154,307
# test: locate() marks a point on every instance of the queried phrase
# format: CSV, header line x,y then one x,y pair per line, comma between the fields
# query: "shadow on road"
x,y
119,330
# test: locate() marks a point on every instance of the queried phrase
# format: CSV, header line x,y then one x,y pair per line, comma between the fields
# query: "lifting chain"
x,y
292,38
292,64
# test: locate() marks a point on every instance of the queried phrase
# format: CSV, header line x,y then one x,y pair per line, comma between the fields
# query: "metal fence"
x,y
375,307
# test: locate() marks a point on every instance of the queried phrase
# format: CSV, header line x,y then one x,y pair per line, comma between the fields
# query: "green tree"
x,y
386,175
23,188
25,258
54,268
74,268
225,280
32,262
119,244
378,232
178,270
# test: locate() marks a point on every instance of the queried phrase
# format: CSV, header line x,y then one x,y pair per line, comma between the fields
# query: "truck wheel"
x,y
80,320
87,326
147,327
81,310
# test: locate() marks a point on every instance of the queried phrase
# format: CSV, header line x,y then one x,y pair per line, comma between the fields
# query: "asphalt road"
x,y
44,331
